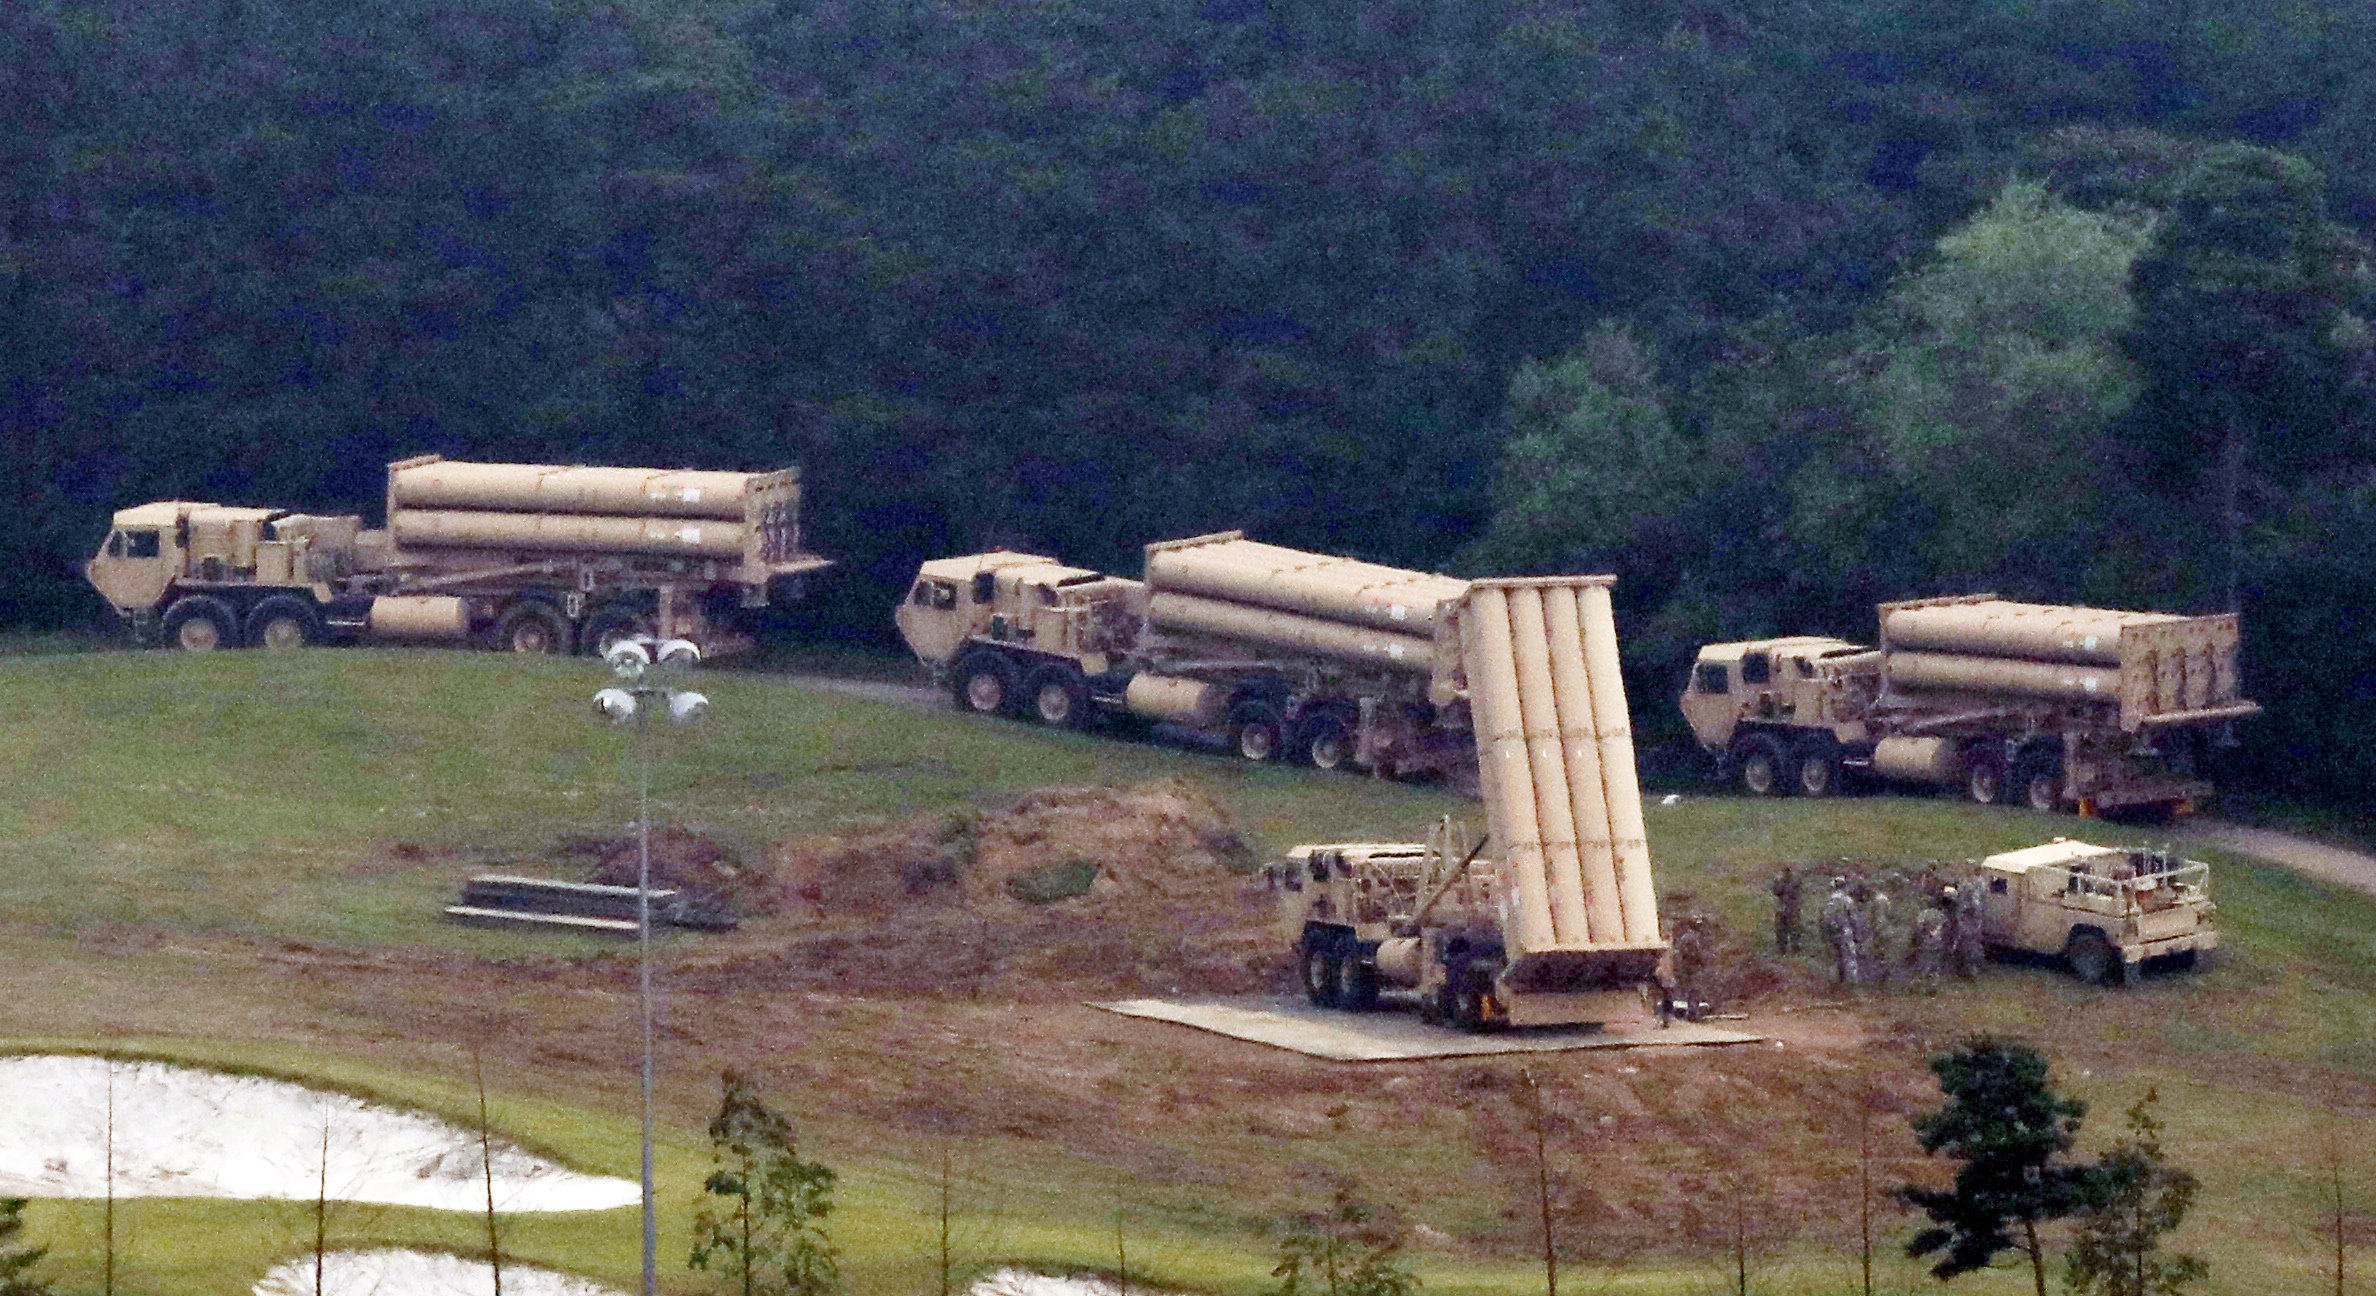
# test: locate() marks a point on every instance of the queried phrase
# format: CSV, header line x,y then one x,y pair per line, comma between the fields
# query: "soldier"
x,y
1963,930
1930,946
1839,927
1885,944
1787,899
1691,961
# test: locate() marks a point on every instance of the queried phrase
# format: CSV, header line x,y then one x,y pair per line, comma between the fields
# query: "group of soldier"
x,y
1871,942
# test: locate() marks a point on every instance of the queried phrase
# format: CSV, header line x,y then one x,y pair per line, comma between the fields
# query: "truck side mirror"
x,y
985,586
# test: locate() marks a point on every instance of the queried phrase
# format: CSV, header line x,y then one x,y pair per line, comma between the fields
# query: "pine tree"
x,y
2011,1129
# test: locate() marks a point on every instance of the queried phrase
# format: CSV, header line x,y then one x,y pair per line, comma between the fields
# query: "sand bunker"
x,y
1022,1282
416,1273
181,1132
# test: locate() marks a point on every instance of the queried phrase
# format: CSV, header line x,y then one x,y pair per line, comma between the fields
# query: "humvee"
x,y
2105,911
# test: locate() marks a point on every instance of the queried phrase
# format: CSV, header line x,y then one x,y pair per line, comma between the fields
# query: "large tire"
x,y
608,626
984,683
1984,780
2039,781
2092,958
1757,764
1468,1006
1318,970
1059,697
1815,767
1356,983
1256,732
1327,742
283,623
531,629
200,623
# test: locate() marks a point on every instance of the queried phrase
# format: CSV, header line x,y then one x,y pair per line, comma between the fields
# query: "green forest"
x,y
1773,307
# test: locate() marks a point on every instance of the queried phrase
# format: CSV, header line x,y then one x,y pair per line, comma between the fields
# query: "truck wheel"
x,y
2091,957
281,624
1060,697
2041,784
1254,731
1319,974
532,630
1757,761
984,684
1819,769
1468,1007
1984,781
1328,742
1356,984
606,628
200,623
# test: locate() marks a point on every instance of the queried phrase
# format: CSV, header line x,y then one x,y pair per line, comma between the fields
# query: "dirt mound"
x,y
1100,846
1146,888
691,863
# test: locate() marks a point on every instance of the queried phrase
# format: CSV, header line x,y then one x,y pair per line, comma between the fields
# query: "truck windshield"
x,y
140,544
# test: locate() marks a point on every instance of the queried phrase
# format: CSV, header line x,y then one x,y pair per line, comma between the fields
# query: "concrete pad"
x,y
1394,1034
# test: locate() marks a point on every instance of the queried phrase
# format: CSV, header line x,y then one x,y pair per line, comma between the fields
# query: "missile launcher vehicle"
x,y
1552,917
1283,654
2056,707
528,558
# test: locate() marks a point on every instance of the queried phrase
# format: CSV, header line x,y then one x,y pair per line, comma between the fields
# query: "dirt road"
x,y
2328,863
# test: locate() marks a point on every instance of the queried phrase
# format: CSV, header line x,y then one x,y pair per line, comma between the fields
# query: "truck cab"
x,y
2107,911
1006,628
1768,704
203,570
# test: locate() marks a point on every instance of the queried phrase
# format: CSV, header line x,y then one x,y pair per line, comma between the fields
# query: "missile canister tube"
x,y
1502,759
2030,631
1927,672
567,533
551,488
1307,584
1191,614
1555,806
1629,840
1580,742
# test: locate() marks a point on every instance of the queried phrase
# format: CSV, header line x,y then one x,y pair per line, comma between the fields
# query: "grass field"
x,y
238,860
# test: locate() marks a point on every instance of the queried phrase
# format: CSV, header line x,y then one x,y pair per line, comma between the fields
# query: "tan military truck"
x,y
2107,912
1552,918
528,558
2055,707
1280,653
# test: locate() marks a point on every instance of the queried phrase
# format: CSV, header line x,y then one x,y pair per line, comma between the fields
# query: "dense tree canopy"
x,y
1911,294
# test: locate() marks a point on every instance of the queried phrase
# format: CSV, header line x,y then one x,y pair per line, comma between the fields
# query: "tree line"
x,y
1774,309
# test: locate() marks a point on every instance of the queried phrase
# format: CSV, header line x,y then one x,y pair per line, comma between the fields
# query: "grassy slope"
x,y
156,810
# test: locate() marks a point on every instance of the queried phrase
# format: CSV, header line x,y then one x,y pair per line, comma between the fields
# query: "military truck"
x,y
2056,707
2107,912
1552,917
1283,654
527,558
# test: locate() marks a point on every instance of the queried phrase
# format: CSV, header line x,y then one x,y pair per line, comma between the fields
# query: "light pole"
x,y
647,669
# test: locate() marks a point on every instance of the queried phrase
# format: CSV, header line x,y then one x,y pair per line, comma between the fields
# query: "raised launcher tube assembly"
x,y
1556,922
